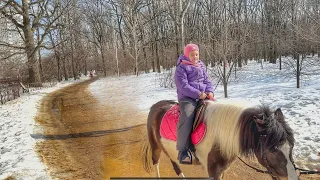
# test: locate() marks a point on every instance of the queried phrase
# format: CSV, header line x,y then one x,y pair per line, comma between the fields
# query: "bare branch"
x,y
11,55
10,45
12,19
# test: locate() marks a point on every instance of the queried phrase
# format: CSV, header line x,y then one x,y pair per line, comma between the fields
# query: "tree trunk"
x,y
298,71
33,63
39,54
33,68
119,20
144,49
295,49
116,51
72,60
182,13
177,41
65,69
264,54
157,58
103,59
280,63
225,80
239,55
181,23
153,59
145,59
135,48
59,65
57,56
40,64
318,49
85,66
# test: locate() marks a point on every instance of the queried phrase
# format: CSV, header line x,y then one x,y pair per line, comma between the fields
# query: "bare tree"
x,y
97,19
132,17
21,16
125,36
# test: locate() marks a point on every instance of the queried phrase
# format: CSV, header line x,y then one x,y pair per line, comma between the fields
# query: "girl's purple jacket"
x,y
191,80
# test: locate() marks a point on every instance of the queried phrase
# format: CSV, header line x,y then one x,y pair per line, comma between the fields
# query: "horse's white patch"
x,y
170,147
157,170
202,151
292,175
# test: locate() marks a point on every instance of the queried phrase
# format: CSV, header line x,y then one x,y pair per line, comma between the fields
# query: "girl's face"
x,y
194,56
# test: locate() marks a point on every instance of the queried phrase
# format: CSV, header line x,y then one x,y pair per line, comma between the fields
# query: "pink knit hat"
x,y
189,48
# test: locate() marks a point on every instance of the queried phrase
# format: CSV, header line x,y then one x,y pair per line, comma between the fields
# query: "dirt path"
x,y
83,139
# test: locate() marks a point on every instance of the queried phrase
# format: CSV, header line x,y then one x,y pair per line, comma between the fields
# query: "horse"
x,y
232,130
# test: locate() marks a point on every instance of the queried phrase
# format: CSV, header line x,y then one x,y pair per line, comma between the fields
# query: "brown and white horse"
x,y
233,130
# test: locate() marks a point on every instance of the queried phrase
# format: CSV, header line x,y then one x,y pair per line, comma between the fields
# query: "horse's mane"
x,y
233,129
222,127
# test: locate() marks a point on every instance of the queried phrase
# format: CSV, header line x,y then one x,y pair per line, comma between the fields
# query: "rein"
x,y
258,170
274,177
302,171
306,171
264,158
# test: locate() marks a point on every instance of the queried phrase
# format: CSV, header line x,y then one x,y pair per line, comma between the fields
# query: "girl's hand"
x,y
210,96
203,95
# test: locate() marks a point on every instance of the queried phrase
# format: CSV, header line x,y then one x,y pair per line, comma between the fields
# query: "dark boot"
x,y
185,157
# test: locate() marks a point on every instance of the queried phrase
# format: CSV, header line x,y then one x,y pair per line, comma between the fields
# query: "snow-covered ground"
x,y
17,156
268,85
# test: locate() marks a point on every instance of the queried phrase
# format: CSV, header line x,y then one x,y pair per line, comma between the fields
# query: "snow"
x,y
269,86
17,156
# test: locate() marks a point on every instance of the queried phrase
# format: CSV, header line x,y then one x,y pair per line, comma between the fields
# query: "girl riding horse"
x,y
192,84
232,130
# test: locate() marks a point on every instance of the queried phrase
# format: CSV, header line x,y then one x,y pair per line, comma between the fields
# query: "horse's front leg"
x,y
216,164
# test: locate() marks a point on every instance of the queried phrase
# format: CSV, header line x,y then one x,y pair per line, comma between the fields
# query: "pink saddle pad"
x,y
168,126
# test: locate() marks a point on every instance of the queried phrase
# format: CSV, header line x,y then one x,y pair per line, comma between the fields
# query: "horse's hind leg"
x,y
177,169
156,152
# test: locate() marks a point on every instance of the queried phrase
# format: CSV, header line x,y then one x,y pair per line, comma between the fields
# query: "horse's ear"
x,y
259,123
278,113
258,120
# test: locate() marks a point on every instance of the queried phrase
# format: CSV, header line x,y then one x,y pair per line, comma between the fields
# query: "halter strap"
x,y
264,157
274,177
302,171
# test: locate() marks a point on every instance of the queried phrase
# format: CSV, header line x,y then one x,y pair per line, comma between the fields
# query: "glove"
x,y
210,96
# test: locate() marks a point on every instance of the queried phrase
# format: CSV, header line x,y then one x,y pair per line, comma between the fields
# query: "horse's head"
x,y
274,144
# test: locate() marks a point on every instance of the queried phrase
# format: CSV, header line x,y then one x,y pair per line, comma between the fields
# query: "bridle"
x,y
262,139
264,158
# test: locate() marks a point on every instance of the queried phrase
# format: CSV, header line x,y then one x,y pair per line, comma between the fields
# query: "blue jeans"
x,y
187,108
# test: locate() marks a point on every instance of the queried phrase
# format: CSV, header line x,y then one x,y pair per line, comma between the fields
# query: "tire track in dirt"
x,y
83,139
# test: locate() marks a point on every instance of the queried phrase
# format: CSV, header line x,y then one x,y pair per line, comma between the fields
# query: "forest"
x,y
53,40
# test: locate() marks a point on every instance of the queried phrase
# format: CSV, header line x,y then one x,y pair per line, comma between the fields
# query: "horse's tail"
x,y
146,155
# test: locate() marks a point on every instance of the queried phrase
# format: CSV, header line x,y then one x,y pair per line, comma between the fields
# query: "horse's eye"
x,y
274,149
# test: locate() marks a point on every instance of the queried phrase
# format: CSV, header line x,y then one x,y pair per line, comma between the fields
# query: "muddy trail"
x,y
83,139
